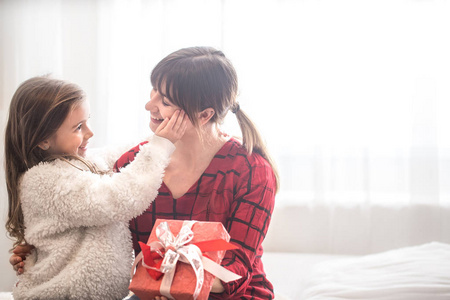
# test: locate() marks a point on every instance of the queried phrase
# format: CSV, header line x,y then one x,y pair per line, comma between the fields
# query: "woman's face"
x,y
160,108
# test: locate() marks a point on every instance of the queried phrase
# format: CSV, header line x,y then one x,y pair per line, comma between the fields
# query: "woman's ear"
x,y
205,115
44,145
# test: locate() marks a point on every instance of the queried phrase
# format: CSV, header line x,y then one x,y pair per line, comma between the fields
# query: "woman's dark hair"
x,y
197,78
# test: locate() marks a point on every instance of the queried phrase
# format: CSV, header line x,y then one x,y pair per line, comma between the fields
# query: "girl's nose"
x,y
89,132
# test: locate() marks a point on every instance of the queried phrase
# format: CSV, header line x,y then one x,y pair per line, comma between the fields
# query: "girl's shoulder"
x,y
50,172
45,166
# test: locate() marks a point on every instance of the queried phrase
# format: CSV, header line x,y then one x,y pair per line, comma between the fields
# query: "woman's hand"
x,y
217,287
174,128
20,253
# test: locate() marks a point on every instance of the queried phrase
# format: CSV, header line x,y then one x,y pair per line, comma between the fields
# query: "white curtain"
x,y
353,97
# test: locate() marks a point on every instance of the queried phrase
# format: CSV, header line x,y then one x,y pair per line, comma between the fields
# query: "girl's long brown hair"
x,y
38,108
197,78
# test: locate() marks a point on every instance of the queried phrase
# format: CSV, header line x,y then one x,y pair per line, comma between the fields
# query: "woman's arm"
x,y
249,220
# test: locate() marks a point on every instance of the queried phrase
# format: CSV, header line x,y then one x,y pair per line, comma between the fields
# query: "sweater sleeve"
x,y
251,212
66,197
105,157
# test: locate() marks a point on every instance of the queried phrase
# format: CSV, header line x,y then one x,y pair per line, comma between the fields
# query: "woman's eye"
x,y
164,102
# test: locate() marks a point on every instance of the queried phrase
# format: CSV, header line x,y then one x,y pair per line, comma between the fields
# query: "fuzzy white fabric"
x,y
78,222
412,273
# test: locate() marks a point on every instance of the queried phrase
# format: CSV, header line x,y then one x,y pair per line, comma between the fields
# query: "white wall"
x,y
7,275
355,229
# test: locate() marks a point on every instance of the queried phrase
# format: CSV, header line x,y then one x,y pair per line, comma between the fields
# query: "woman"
x,y
210,177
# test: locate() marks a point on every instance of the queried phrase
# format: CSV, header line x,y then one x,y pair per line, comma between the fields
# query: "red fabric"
x,y
237,190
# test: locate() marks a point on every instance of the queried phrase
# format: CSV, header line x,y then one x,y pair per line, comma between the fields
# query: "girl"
x,y
75,216
211,177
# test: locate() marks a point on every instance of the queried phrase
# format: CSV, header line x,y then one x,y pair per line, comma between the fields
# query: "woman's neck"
x,y
194,150
192,156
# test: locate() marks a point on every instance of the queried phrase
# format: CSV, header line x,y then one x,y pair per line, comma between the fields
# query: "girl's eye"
x,y
79,127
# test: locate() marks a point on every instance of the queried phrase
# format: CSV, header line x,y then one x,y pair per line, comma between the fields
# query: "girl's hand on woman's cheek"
x,y
174,128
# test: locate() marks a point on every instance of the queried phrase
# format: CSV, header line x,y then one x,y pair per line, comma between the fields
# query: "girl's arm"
x,y
66,197
105,157
73,198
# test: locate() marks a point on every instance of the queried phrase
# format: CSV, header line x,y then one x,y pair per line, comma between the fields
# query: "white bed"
x,y
316,252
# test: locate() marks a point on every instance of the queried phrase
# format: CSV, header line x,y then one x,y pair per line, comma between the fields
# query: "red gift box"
x,y
150,280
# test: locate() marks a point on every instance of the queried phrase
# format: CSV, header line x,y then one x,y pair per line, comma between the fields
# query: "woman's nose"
x,y
148,105
151,103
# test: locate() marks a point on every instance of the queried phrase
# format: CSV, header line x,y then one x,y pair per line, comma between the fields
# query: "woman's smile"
x,y
156,120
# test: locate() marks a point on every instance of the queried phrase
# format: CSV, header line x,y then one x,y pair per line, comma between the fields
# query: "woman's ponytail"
x,y
252,140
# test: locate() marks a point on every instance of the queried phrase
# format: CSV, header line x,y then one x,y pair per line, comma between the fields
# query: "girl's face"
x,y
74,133
160,108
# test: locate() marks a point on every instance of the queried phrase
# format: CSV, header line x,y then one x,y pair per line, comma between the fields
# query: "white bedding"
x,y
289,272
412,273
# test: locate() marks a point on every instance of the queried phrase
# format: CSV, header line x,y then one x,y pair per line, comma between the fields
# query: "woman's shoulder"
x,y
128,156
250,168
236,152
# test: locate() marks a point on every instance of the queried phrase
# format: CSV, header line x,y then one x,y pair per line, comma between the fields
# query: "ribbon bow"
x,y
178,248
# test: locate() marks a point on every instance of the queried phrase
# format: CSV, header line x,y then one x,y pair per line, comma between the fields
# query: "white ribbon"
x,y
176,249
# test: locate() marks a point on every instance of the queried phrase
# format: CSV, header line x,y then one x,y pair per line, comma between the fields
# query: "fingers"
x,y
180,125
15,261
167,124
175,127
23,249
20,253
222,133
18,263
178,121
19,271
162,125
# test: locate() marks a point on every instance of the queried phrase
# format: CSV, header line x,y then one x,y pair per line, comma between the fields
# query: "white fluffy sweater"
x,y
78,222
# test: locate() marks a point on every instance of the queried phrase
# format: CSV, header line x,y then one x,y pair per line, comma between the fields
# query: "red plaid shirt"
x,y
236,189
